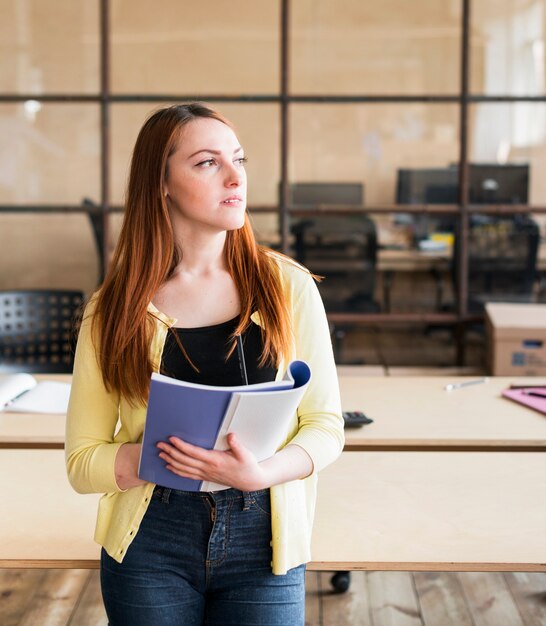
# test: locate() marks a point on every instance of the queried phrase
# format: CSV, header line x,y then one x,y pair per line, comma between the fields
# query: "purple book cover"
x,y
194,413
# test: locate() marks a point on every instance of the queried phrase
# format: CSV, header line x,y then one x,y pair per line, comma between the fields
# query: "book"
x,y
204,415
22,393
532,397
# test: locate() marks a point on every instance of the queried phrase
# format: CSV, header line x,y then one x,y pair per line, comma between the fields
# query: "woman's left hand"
x,y
236,467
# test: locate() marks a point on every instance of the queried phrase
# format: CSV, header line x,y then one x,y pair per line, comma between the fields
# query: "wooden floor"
x,y
72,598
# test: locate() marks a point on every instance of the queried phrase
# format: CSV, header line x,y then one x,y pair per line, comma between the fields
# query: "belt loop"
x,y
165,495
247,500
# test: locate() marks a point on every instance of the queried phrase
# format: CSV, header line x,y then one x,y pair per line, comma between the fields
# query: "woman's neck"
x,y
201,253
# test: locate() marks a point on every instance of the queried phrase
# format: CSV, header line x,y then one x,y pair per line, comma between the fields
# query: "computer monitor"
x,y
427,186
498,184
489,183
309,195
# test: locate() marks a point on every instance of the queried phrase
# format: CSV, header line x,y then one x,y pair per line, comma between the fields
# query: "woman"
x,y
186,279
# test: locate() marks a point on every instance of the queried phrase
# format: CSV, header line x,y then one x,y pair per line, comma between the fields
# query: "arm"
x,y
320,431
91,453
236,467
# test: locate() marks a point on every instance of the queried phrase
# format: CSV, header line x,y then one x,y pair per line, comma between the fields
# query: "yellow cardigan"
x,y
100,422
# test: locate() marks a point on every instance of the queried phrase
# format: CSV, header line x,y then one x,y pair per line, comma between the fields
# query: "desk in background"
x,y
409,413
417,413
461,511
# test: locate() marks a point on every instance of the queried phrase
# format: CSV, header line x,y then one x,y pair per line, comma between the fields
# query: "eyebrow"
x,y
213,151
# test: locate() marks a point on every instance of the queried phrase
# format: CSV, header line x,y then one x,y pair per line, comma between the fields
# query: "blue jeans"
x,y
201,558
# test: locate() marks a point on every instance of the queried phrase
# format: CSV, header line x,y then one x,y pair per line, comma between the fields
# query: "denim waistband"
x,y
230,493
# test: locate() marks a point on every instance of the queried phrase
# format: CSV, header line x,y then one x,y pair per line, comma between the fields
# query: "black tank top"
x,y
207,347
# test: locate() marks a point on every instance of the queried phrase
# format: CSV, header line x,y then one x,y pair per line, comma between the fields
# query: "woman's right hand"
x,y
126,466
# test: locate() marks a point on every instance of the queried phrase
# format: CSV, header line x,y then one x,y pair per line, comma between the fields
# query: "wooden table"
x,y
33,430
414,413
376,511
462,511
410,413
413,260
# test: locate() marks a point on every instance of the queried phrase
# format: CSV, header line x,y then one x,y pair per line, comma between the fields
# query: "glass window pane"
x,y
53,251
344,146
507,47
368,144
511,138
375,47
50,153
49,47
195,48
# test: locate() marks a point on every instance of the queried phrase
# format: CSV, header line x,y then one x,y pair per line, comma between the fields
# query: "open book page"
x,y
260,426
44,397
13,386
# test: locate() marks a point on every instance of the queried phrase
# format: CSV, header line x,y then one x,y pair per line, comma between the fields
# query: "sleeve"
x,y
91,421
320,431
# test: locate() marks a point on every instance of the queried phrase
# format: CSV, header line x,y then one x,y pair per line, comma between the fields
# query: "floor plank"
x,y
393,599
55,598
346,609
72,598
441,599
90,609
529,593
17,589
313,610
489,599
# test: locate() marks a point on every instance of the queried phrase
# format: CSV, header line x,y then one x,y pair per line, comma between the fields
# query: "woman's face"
x,y
206,178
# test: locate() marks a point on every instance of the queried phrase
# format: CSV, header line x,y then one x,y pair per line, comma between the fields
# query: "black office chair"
x,y
343,249
502,259
37,330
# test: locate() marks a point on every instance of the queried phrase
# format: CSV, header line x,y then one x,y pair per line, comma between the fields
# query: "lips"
x,y
232,200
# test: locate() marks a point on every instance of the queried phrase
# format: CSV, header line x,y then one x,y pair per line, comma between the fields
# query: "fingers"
x,y
235,447
178,458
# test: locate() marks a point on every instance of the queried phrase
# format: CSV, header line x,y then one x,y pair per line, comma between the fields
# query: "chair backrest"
x,y
343,249
37,330
502,259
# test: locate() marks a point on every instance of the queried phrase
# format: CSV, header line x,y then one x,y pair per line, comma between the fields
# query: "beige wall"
x,y
50,153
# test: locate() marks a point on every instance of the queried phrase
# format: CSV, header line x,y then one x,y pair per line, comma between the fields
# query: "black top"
x,y
207,347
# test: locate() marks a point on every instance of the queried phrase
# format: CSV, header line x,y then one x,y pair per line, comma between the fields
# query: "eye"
x,y
206,163
241,160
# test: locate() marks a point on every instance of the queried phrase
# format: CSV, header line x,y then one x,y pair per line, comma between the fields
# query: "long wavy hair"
x,y
146,256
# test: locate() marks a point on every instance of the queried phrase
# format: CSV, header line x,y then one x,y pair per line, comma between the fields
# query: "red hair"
x,y
146,256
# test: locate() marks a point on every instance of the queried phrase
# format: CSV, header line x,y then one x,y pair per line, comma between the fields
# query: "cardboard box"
x,y
516,339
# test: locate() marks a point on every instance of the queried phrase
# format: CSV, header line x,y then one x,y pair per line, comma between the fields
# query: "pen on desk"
x,y
466,383
537,394
242,364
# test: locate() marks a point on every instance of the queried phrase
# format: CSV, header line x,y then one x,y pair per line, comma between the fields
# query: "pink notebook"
x,y
523,397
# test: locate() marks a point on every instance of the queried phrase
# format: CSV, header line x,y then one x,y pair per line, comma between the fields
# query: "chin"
x,y
235,222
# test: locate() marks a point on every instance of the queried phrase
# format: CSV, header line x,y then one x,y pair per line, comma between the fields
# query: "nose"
x,y
234,176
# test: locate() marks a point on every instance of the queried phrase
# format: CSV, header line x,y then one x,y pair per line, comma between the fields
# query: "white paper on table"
x,y
21,393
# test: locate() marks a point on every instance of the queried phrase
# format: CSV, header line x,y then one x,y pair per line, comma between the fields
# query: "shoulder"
x,y
90,307
292,273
